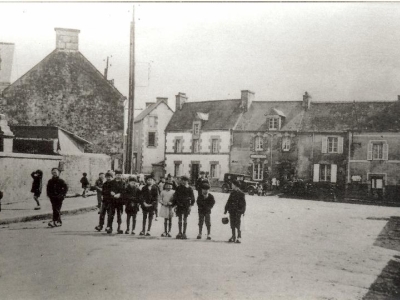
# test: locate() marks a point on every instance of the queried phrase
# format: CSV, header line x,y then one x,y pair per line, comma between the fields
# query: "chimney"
x,y
148,104
6,60
159,99
306,101
398,97
247,98
67,39
180,100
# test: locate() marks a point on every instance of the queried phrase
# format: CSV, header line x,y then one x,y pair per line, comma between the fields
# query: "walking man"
x,y
99,188
106,200
132,201
236,206
205,202
116,203
56,191
149,203
183,200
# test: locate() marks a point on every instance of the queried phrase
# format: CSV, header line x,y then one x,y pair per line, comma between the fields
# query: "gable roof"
x,y
149,109
222,115
255,118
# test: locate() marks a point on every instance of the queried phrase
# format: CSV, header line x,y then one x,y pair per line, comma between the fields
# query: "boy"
x,y
132,201
56,191
116,205
106,200
183,200
85,185
236,206
166,211
99,186
149,203
205,202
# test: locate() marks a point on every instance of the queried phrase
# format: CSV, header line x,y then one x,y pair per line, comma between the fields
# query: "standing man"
x,y
200,181
116,205
183,200
99,188
236,206
56,191
205,202
149,203
106,200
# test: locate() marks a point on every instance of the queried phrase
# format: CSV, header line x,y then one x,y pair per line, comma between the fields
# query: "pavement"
x,y
291,249
24,211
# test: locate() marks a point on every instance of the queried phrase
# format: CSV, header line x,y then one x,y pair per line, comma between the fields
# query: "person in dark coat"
x,y
106,200
202,179
171,179
183,201
98,187
37,186
1,197
132,200
116,204
236,206
56,190
205,202
85,184
149,195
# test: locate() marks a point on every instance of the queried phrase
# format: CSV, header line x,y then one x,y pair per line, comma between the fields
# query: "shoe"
x,y
37,207
133,233
98,228
148,234
141,233
51,224
155,219
179,236
184,237
168,235
109,230
208,237
238,241
164,234
119,231
127,231
199,236
58,224
231,240
98,212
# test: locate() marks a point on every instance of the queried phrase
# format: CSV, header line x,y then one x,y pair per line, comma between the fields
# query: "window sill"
x,y
154,147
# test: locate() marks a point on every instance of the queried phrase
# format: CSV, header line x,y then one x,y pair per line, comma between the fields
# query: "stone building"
x,y
6,60
67,91
149,137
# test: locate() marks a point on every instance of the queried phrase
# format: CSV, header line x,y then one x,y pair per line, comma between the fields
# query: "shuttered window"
x,y
332,144
378,150
152,139
257,171
325,173
259,143
286,143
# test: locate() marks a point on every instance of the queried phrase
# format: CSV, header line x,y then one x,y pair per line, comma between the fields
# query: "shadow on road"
x,y
387,285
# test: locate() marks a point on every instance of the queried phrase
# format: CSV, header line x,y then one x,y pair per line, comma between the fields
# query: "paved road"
x,y
292,249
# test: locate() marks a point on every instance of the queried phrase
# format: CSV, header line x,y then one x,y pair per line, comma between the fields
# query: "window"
x,y
258,143
378,150
195,146
213,171
177,170
196,128
286,144
214,146
257,171
152,139
178,146
152,121
273,123
333,144
325,173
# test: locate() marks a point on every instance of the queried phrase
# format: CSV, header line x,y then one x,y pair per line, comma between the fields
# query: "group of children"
x,y
173,200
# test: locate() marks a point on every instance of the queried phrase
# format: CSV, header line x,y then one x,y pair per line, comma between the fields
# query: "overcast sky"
x,y
335,51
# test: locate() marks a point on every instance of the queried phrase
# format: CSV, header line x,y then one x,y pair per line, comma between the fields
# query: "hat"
x,y
149,177
184,177
108,174
202,173
236,183
131,178
205,186
169,183
118,172
225,220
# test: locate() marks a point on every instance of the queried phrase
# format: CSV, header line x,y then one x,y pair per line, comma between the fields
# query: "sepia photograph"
x,y
199,150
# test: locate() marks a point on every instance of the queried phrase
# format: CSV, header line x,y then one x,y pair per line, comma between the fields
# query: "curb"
x,y
45,216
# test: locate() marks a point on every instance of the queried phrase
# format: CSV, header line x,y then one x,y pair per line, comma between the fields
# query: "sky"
x,y
210,51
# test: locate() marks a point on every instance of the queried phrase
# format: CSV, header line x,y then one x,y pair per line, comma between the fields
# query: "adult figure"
x,y
106,200
236,206
56,190
183,200
37,186
205,202
98,185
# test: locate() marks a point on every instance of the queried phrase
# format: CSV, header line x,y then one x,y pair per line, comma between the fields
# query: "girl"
x,y
166,211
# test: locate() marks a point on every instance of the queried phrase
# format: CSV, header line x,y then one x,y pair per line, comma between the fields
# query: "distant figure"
x,y
161,184
174,184
85,185
56,190
37,186
236,206
166,210
99,188
200,181
1,197
273,183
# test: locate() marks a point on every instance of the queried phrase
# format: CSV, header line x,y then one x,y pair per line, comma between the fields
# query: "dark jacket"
x,y
236,203
205,204
200,182
149,196
37,183
106,192
85,182
183,197
132,198
118,187
98,185
56,188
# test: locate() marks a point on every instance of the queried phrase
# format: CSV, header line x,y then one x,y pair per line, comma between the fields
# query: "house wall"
x,y
67,145
204,138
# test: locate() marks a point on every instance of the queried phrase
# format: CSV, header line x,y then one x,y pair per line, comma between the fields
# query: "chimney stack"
x,y
398,97
180,100
306,101
6,60
247,98
159,99
148,104
67,39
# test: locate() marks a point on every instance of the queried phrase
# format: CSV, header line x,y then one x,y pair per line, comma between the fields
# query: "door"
x,y
377,185
195,173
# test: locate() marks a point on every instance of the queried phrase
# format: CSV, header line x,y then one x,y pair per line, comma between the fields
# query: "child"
x,y
236,206
149,203
132,200
106,200
183,200
85,185
166,211
37,186
116,203
205,202
260,190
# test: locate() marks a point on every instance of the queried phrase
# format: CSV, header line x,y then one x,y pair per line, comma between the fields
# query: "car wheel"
x,y
251,191
225,188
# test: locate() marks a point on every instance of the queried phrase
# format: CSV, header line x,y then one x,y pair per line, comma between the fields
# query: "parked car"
x,y
247,185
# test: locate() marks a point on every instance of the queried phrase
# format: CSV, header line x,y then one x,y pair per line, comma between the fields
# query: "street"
x,y
291,249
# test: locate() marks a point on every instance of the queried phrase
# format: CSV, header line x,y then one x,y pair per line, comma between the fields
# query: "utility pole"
x,y
106,70
131,100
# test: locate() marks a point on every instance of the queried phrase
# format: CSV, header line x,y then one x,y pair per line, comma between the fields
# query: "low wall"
x,y
16,169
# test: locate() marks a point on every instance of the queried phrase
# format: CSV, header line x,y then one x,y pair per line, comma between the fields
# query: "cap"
x,y
205,186
132,179
168,183
184,177
108,174
149,177
202,173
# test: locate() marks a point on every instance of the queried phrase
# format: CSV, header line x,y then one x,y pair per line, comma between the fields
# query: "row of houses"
x,y
354,145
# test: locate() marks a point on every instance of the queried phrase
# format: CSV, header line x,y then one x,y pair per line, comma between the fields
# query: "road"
x,y
291,249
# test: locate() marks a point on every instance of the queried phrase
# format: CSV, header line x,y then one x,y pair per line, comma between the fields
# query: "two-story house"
x,y
149,137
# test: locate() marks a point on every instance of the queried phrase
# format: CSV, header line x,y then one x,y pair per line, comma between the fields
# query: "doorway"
x,y
195,173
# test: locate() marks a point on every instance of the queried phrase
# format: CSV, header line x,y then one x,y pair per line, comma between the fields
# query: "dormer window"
x,y
273,123
258,143
196,128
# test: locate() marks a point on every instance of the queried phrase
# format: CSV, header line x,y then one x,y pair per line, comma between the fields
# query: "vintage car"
x,y
247,185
